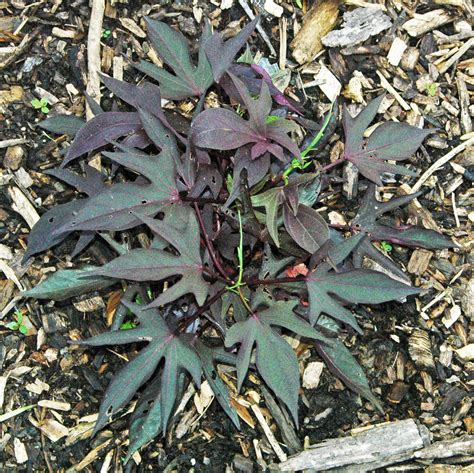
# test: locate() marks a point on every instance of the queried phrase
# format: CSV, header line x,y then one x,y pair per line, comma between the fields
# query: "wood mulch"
x,y
419,356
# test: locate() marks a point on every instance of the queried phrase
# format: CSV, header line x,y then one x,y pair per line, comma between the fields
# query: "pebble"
x,y
311,374
13,158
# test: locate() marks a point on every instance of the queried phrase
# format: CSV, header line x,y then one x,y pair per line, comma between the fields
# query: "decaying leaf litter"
x,y
419,358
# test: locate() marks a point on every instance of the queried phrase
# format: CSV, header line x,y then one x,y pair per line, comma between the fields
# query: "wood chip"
x,y
318,22
21,455
359,25
396,51
421,24
328,83
23,206
419,261
56,405
51,428
131,26
419,348
455,57
466,353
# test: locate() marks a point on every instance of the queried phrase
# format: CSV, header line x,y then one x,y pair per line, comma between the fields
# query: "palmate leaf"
x,y
366,222
120,206
155,264
163,344
276,362
390,141
222,129
221,53
172,47
43,235
329,290
145,422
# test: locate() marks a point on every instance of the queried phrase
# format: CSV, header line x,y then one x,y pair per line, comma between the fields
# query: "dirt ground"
x,y
417,355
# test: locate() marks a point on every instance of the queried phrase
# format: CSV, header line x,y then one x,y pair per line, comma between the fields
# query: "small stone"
x,y
312,374
13,158
466,353
242,464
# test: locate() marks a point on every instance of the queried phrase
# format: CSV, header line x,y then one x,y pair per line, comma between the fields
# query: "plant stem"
x,y
184,323
212,274
330,166
266,282
209,244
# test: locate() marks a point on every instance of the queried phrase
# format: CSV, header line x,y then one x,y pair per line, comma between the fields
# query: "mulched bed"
x,y
417,355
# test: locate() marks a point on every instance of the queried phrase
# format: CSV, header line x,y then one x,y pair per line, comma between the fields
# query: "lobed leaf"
x,y
276,362
164,345
221,53
360,286
155,264
390,141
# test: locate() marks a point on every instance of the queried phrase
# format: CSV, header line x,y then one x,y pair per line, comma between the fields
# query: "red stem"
x,y
209,244
330,166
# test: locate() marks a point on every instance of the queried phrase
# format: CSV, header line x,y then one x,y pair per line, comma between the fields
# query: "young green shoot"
x,y
296,163
18,323
40,104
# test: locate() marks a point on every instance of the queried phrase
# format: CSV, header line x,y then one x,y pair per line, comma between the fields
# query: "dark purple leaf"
x,y
67,283
361,286
155,265
63,124
276,362
221,54
343,365
224,130
173,49
101,130
307,227
390,141
366,222
163,344
119,206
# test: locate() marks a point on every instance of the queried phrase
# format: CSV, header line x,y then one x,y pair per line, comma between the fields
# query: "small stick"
x,y
283,42
12,142
244,4
462,50
21,48
441,162
269,434
387,86
93,52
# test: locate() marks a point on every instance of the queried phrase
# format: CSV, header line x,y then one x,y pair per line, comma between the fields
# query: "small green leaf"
x,y
36,103
23,329
12,325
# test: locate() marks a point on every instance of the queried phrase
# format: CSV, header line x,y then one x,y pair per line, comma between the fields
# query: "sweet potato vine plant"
x,y
238,253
